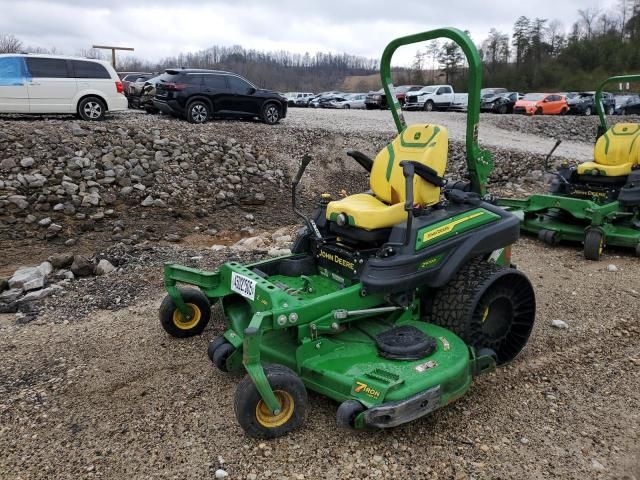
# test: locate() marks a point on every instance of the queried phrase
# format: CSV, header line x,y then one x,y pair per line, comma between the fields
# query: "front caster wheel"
x,y
254,416
347,413
593,245
175,323
549,237
214,344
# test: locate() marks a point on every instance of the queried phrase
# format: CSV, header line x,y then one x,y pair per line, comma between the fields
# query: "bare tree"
x,y
555,36
9,43
588,17
91,53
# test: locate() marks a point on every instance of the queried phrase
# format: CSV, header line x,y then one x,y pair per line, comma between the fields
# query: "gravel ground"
x,y
92,387
500,131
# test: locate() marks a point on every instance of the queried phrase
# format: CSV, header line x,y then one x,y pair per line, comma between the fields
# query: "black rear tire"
x,y
270,113
593,245
503,109
198,111
347,413
251,411
92,109
488,306
429,106
173,321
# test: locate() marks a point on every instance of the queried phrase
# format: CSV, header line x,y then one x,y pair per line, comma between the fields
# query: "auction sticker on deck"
x,y
243,285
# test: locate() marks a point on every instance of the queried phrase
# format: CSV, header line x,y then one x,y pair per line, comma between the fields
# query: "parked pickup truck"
x,y
431,97
378,99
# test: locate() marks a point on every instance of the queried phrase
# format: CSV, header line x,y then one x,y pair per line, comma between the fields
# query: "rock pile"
x,y
29,284
63,170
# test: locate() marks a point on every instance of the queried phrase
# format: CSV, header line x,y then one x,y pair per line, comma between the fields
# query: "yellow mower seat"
x,y
427,144
616,153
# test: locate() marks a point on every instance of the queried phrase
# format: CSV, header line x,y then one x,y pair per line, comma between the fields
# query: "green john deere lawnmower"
x,y
596,203
391,302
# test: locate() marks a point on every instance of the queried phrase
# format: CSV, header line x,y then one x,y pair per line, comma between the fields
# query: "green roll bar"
x,y
599,106
479,162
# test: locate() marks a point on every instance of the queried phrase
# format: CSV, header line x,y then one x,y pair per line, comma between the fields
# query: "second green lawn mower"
x,y
391,302
596,203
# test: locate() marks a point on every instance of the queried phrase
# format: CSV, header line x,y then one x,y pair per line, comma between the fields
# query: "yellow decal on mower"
x,y
448,227
364,388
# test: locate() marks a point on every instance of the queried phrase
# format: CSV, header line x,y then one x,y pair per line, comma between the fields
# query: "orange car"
x,y
542,104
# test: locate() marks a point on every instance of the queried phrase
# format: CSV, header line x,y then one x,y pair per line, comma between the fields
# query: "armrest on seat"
x,y
362,159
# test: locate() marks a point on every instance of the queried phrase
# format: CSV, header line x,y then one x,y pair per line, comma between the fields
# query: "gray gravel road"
x,y
111,396
490,132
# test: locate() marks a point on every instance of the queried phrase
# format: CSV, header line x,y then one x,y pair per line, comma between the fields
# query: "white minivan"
x,y
56,84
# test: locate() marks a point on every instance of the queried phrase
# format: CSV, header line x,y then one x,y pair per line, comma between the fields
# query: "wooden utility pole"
x,y
113,52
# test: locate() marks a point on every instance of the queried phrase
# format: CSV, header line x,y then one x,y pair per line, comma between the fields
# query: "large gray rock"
x,y
30,278
104,267
78,131
10,295
147,202
27,162
7,164
82,266
19,201
61,260
40,294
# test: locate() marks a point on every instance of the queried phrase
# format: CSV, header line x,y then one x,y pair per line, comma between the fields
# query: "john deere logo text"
x,y
364,388
336,259
589,193
436,232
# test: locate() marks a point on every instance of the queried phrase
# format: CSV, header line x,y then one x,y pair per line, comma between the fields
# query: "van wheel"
x,y
91,109
270,114
198,112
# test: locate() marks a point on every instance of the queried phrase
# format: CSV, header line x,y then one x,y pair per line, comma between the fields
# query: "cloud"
x,y
161,28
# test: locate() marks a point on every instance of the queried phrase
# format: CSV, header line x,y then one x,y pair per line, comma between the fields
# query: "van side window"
x,y
11,72
47,67
88,70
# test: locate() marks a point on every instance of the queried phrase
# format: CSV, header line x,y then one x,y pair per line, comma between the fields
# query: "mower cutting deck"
x,y
596,203
391,302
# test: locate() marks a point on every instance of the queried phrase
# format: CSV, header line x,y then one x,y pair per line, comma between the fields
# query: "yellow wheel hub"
x,y
184,323
266,419
485,314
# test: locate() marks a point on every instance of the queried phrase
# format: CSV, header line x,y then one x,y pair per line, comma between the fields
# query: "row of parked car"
x,y
496,100
34,83
198,95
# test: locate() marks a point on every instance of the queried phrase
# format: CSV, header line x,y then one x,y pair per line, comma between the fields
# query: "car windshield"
x,y
534,96
427,89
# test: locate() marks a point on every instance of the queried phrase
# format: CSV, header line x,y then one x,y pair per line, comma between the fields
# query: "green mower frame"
x,y
329,317
587,216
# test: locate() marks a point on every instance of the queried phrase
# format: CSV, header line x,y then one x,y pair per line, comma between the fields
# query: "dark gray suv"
x,y
199,95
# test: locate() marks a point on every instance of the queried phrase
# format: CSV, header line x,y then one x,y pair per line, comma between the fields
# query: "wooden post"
x,y
113,52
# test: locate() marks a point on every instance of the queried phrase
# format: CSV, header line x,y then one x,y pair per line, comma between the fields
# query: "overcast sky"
x,y
160,28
